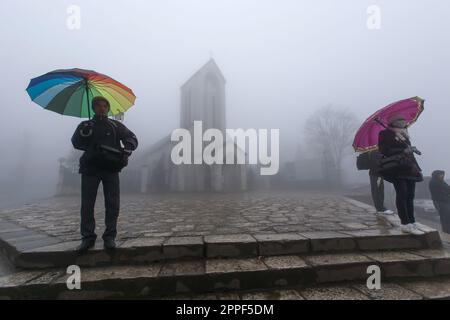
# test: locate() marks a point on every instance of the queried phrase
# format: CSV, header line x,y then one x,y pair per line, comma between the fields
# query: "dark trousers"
x,y
111,190
443,209
405,192
377,189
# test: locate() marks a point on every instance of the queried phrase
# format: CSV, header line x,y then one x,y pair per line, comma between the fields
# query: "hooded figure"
x,y
440,193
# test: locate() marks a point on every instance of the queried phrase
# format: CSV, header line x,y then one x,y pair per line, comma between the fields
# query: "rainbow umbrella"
x,y
70,91
366,138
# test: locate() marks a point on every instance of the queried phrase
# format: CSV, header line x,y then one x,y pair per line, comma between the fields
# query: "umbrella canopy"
x,y
366,139
70,91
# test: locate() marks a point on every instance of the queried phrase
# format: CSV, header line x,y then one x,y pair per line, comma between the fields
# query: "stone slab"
x,y
183,247
284,243
232,245
388,291
430,288
329,241
333,293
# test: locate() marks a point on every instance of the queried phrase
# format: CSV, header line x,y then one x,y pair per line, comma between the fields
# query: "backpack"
x,y
363,161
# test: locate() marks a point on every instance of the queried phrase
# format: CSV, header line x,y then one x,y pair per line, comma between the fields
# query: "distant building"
x,y
202,99
68,177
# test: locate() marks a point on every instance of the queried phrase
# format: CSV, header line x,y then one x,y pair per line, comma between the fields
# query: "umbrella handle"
x,y
87,99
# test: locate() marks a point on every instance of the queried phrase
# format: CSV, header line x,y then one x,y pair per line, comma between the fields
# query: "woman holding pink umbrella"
x,y
403,171
386,130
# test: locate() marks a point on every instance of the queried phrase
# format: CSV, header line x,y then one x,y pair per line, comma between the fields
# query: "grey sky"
x,y
282,60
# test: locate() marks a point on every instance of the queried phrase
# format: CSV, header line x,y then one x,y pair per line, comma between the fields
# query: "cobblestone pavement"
x,y
201,214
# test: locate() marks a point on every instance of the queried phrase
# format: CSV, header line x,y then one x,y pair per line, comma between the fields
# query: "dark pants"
x,y
377,189
405,192
443,209
111,190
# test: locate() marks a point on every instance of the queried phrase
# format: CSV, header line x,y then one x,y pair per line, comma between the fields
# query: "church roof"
x,y
211,64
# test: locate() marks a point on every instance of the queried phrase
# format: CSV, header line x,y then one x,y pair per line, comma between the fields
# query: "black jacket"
x,y
390,145
439,189
100,131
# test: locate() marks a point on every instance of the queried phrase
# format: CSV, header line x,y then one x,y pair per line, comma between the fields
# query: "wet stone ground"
x,y
201,214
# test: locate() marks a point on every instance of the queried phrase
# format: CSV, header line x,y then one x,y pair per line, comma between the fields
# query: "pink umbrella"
x,y
366,139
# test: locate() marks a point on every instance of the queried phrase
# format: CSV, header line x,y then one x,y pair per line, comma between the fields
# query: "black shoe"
x,y
109,244
85,245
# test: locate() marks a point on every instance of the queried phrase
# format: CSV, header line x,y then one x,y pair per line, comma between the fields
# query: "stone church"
x,y
202,99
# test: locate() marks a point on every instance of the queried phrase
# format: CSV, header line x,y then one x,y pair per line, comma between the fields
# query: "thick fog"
x,y
282,61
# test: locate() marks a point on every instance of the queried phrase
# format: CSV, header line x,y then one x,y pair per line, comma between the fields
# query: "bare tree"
x,y
329,132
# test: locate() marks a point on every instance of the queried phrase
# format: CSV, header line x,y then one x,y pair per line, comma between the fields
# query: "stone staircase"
x,y
145,250
201,276
227,265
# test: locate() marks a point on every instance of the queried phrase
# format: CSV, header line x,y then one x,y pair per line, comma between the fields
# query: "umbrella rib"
x,y
110,80
112,88
81,104
52,103
115,100
112,85
46,90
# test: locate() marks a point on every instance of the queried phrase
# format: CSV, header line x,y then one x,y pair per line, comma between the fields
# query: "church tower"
x,y
203,98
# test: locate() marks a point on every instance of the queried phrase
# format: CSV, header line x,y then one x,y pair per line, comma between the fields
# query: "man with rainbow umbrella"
x,y
106,143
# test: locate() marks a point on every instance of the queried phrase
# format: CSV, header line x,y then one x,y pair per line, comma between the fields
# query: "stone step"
x,y
437,288
214,275
136,251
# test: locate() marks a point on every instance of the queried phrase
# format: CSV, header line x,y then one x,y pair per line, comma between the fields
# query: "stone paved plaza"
x,y
202,214
235,245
